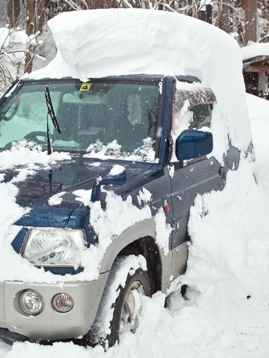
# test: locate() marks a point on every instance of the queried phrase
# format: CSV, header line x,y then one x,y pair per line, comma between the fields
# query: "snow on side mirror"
x,y
192,144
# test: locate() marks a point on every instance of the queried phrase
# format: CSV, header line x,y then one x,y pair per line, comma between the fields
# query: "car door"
x,y
190,177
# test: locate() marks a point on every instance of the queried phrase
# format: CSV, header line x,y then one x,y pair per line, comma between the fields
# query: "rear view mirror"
x,y
9,110
192,144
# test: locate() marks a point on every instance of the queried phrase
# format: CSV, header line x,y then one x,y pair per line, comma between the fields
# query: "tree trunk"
x,y
13,12
30,19
100,4
10,13
40,15
30,30
17,12
250,29
206,14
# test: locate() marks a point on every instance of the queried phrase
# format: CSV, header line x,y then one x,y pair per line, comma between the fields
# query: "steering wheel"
x,y
33,136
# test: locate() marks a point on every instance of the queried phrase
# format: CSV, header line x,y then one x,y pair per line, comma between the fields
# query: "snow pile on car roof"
x,y
105,42
99,43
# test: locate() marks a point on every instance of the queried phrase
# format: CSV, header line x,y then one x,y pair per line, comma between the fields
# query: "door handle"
x,y
222,173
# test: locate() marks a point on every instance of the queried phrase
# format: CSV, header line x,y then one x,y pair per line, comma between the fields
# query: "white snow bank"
x,y
257,107
259,114
232,256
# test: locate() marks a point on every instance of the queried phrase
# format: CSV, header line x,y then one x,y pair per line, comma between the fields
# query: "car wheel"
x,y
122,301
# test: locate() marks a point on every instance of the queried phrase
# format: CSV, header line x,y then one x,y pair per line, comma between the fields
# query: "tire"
x,y
122,302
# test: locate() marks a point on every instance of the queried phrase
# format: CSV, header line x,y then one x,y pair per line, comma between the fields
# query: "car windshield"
x,y
109,118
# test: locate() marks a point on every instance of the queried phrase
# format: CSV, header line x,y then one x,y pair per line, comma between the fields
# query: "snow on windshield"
x,y
108,119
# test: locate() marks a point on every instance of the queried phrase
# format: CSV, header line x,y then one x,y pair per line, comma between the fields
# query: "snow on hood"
x,y
99,43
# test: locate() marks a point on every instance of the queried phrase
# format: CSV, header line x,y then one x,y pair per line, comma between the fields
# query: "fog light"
x,y
62,302
31,302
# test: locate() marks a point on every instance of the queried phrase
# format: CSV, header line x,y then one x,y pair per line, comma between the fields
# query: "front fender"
x,y
141,229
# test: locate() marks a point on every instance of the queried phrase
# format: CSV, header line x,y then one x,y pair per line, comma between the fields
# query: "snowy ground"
x,y
227,310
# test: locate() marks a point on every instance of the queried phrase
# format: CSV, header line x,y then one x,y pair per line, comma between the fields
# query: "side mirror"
x,y
106,178
192,144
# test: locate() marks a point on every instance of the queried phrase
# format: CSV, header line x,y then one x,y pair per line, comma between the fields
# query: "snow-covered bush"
x,y
13,45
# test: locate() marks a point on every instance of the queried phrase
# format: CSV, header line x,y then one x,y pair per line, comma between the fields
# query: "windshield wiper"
x,y
10,104
52,116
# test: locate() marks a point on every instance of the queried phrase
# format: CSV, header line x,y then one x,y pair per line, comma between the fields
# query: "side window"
x,y
201,116
192,109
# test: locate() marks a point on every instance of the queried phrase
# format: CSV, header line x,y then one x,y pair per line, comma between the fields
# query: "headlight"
x,y
31,302
53,246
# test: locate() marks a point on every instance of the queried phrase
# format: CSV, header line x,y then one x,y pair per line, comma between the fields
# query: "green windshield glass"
x,y
116,118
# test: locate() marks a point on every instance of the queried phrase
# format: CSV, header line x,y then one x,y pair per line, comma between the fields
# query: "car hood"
x,y
37,191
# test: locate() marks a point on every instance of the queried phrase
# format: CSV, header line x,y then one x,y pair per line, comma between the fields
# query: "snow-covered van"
x,y
102,155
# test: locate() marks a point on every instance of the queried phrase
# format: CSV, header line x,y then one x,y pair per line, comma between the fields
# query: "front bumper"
x,y
49,324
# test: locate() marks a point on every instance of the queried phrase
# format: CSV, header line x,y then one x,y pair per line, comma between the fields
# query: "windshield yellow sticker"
x,y
85,87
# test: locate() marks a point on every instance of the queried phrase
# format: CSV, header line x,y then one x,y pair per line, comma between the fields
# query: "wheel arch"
x,y
146,246
140,240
